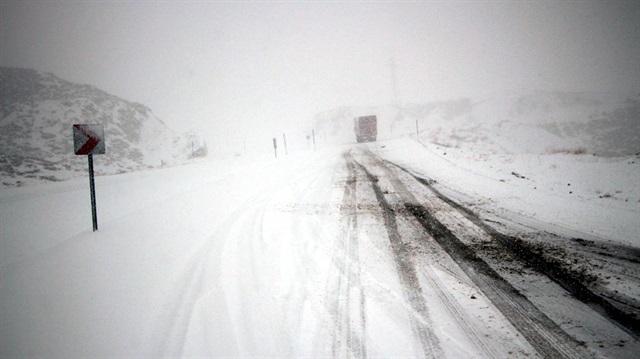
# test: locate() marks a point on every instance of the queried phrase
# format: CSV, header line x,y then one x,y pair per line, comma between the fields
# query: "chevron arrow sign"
x,y
88,140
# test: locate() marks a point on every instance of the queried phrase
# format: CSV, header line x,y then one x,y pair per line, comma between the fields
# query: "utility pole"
x,y
313,138
417,131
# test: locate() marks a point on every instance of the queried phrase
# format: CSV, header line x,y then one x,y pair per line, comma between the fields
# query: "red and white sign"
x,y
88,140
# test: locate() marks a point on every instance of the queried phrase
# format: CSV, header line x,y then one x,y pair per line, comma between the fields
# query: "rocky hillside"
x,y
37,111
536,122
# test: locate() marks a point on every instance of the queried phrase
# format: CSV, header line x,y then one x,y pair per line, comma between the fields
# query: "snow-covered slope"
x,y
534,122
37,111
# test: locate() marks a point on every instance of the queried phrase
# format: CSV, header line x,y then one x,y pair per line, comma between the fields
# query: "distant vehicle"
x,y
365,128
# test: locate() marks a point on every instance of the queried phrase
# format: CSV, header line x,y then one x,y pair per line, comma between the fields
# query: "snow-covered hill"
x,y
534,123
37,111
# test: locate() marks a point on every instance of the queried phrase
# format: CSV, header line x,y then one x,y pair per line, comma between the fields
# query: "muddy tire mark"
x,y
407,274
567,278
541,332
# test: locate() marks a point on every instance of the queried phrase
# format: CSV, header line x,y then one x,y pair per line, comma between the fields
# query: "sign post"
x,y
92,188
275,147
284,141
89,140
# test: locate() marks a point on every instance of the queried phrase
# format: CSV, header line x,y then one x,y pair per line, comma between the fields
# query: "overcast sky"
x,y
227,67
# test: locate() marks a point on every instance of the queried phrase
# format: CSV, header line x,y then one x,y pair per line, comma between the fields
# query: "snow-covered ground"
x,y
66,291
290,257
214,258
576,195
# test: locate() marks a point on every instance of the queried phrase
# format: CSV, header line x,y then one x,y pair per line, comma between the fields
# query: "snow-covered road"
x,y
329,254
312,267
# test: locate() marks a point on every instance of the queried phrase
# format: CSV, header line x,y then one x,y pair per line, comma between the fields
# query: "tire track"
x,y
540,331
349,333
407,275
249,254
569,280
454,308
357,338
179,309
190,286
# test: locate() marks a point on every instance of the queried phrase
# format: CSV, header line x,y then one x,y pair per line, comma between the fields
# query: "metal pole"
x,y
417,131
284,141
92,187
313,136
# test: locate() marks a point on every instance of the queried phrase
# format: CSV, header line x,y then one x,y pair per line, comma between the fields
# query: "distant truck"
x,y
365,128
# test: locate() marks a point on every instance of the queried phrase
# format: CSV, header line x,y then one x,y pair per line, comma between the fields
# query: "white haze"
x,y
252,71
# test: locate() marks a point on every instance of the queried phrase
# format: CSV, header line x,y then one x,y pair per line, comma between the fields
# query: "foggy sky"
x,y
270,67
